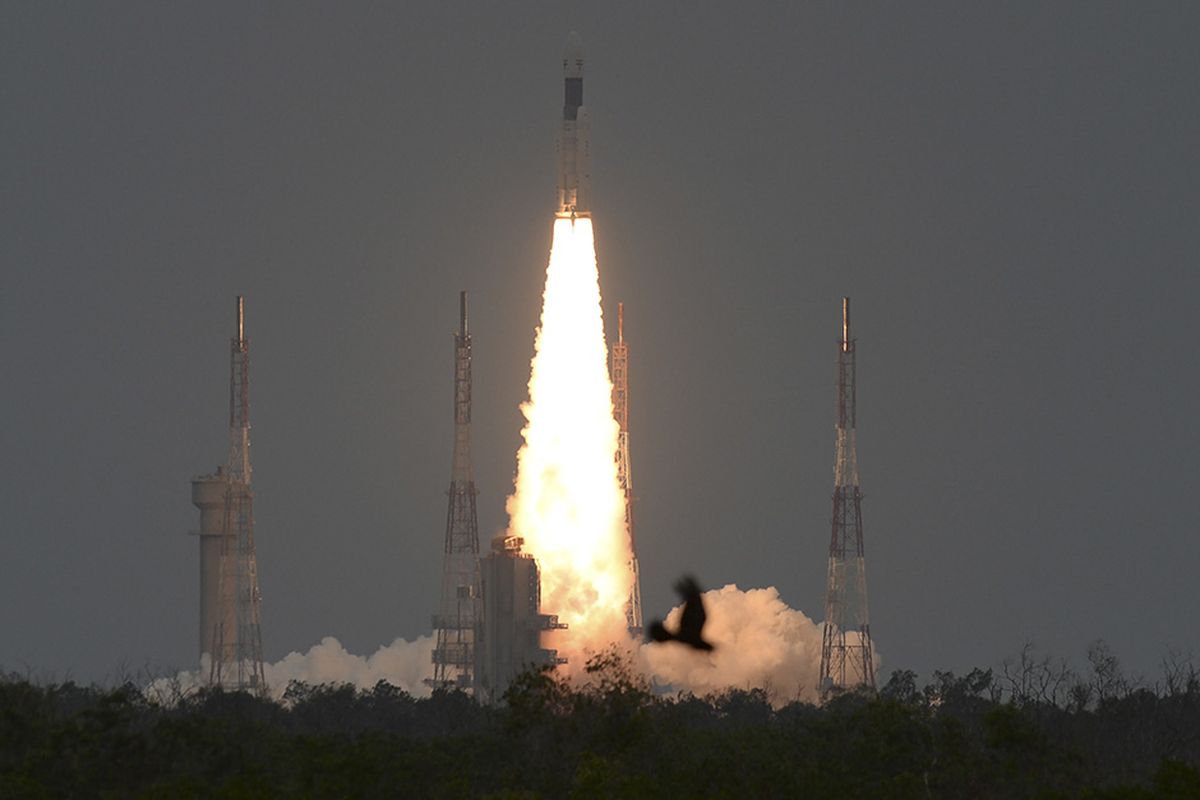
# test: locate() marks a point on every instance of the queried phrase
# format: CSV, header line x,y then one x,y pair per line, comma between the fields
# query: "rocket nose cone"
x,y
573,56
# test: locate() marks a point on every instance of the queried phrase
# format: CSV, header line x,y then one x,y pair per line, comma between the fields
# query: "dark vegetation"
x,y
1032,728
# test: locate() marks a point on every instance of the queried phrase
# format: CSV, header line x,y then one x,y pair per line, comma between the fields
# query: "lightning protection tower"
x,y
230,604
847,659
458,613
620,380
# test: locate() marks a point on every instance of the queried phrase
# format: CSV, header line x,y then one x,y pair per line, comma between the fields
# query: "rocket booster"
x,y
574,138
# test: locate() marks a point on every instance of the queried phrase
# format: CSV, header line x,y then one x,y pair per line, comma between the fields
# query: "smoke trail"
x,y
567,504
760,643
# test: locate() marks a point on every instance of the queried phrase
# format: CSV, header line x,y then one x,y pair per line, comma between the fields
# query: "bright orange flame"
x,y
568,505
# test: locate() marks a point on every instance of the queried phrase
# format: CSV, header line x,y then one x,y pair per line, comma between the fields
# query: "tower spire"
x,y
847,658
458,611
845,324
619,370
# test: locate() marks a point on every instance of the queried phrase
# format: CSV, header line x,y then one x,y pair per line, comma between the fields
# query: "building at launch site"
x,y
230,602
510,633
847,657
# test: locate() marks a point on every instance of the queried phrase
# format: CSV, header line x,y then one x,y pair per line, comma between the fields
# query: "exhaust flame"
x,y
567,504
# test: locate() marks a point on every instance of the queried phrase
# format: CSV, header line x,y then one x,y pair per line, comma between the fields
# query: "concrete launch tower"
x,y
510,630
847,659
619,371
458,612
230,603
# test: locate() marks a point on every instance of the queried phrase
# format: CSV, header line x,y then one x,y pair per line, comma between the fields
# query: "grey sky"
x,y
1009,194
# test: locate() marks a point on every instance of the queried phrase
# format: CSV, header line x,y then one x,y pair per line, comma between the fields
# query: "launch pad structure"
x,y
847,657
458,616
510,631
489,625
619,372
230,602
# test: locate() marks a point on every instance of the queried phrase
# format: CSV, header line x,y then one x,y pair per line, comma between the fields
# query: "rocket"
x,y
574,138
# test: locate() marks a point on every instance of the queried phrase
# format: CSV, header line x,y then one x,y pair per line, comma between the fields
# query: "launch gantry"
x,y
230,601
620,381
458,612
847,657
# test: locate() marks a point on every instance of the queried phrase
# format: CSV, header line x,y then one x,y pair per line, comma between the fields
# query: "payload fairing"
x,y
574,138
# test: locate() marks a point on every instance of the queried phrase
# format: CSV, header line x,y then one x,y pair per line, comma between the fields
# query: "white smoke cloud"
x,y
760,643
402,663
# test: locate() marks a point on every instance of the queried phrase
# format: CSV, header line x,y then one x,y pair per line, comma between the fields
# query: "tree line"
x,y
1031,728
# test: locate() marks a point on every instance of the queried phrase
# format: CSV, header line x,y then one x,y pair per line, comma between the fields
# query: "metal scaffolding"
x,y
234,636
458,612
619,371
847,660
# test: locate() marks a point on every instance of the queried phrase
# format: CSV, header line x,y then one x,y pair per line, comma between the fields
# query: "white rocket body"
x,y
574,138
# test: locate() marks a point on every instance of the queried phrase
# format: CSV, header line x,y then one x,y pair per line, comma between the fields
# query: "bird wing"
x,y
692,620
657,633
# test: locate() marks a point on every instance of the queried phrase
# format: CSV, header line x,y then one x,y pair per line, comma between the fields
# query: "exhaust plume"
x,y
567,505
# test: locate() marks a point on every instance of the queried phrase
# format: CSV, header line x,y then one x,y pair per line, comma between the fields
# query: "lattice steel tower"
x,y
454,655
847,659
620,380
231,605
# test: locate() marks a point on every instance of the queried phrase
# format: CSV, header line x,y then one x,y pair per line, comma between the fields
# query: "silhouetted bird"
x,y
690,622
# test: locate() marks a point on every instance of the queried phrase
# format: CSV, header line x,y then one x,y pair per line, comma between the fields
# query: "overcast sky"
x,y
1009,194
